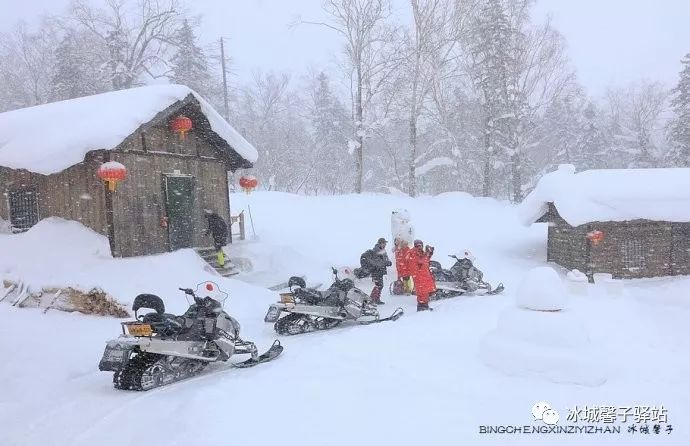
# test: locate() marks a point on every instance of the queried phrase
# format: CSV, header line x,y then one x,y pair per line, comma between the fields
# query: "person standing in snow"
x,y
424,284
402,263
375,261
219,231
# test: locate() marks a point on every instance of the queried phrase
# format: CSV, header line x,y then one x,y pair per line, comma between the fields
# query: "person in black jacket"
x,y
375,261
219,231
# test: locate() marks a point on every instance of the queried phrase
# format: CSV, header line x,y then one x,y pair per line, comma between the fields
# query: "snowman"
x,y
539,337
401,228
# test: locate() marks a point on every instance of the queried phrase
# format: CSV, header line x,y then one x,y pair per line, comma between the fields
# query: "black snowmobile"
x,y
462,278
309,309
159,348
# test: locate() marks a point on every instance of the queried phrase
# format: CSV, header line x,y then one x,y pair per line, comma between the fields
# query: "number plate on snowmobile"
x,y
139,329
287,298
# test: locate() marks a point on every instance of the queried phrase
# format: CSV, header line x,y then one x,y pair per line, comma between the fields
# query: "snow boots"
x,y
376,296
220,258
423,307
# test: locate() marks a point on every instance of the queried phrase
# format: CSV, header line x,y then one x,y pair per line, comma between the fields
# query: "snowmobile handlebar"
x,y
190,292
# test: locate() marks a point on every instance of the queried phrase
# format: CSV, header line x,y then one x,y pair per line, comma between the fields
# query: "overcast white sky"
x,y
610,41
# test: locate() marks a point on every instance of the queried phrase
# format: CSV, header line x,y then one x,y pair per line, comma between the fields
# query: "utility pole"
x,y
225,81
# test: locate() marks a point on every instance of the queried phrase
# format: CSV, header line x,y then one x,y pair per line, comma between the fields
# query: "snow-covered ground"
x,y
420,380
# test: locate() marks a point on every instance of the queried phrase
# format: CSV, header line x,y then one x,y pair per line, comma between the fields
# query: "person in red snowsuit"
x,y
424,283
402,264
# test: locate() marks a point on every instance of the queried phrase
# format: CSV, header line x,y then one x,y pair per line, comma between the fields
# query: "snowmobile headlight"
x,y
287,298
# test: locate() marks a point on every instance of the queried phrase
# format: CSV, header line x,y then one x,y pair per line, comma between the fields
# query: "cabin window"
x,y
633,254
23,207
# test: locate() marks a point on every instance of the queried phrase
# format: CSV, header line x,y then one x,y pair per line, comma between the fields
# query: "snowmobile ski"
x,y
272,353
282,285
393,317
499,289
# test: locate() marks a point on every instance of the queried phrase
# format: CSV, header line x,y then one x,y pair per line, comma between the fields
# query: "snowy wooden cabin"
x,y
50,155
629,223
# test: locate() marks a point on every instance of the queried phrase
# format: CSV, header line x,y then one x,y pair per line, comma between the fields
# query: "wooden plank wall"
x,y
656,238
73,194
139,203
567,246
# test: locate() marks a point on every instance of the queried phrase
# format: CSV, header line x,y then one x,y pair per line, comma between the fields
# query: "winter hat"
x,y
381,241
418,243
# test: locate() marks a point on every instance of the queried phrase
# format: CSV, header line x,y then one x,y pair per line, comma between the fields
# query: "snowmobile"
x,y
309,309
159,348
462,278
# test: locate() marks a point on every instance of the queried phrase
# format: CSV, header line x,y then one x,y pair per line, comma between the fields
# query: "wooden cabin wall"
x,y
139,203
680,256
567,245
73,194
655,239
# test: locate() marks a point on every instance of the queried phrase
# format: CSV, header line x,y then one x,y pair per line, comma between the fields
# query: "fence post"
x,y
242,225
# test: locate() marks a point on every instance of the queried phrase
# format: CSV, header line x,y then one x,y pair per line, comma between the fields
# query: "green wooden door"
x,y
179,197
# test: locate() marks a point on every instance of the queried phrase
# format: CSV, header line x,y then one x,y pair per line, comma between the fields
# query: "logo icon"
x,y
543,411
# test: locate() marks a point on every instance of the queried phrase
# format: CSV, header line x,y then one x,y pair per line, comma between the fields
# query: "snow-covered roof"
x,y
49,138
611,195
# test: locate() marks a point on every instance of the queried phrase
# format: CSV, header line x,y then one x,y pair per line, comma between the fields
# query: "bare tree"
x,y
27,65
635,112
138,35
437,28
369,59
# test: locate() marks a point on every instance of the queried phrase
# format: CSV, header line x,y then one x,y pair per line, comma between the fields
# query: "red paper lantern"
x,y
181,125
112,172
248,183
595,237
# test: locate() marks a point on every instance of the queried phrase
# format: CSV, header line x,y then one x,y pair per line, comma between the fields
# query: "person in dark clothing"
x,y
375,261
219,231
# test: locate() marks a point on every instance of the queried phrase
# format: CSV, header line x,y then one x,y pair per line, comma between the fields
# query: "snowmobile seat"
x,y
297,281
150,301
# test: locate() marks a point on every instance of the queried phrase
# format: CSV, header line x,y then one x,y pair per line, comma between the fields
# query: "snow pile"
x,y
576,276
536,338
611,195
541,290
5,227
57,253
70,129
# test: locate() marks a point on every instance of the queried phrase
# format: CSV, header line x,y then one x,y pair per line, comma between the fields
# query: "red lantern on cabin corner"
x,y
595,237
248,183
112,172
181,125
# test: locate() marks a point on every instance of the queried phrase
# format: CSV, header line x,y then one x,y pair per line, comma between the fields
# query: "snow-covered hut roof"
x,y
49,138
610,195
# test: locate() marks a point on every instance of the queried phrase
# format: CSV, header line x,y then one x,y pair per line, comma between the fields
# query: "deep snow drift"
x,y
419,380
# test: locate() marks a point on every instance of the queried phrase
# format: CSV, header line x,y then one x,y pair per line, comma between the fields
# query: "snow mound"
x,y
58,253
70,129
576,276
536,338
550,346
542,290
611,195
